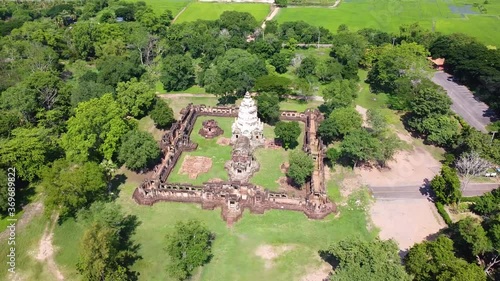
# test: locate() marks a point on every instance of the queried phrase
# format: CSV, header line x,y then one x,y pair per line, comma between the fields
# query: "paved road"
x,y
474,112
419,192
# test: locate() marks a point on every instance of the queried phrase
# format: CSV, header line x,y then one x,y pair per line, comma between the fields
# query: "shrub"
x,y
443,213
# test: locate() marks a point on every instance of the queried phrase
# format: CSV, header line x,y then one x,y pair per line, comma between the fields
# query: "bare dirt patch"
x,y
361,110
46,250
407,168
272,144
195,165
30,211
318,274
407,221
349,185
215,180
269,253
223,141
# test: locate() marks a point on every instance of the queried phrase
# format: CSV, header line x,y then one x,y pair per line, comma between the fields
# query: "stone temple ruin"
x,y
210,129
237,194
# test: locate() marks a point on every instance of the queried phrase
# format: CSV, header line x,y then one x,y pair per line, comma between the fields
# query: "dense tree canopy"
x,y
95,130
138,150
434,261
69,186
177,73
136,97
233,73
366,260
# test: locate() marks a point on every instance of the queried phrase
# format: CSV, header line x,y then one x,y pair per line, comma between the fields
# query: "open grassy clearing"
x,y
212,11
159,6
387,15
146,124
270,160
27,241
234,248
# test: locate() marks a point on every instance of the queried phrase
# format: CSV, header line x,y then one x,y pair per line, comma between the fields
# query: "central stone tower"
x,y
247,124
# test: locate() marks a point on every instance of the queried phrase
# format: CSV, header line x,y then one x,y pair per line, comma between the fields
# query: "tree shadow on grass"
x,y
115,183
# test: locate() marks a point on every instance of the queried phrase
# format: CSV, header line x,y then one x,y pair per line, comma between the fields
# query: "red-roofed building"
x,y
437,63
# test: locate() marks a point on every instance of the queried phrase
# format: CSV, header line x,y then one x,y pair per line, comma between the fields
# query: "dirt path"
x,y
46,251
178,14
335,4
185,95
30,211
274,11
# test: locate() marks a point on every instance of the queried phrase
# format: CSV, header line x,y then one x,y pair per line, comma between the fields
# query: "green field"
x,y
234,248
388,15
212,11
175,6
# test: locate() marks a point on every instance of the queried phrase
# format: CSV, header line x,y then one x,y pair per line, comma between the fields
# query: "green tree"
x,y
436,261
136,97
472,236
366,260
281,3
189,246
69,187
4,192
429,102
273,84
446,186
441,130
339,93
114,69
162,114
393,62
306,67
95,130
287,132
360,146
377,121
280,61
268,108
106,249
28,150
138,150
341,121
328,70
333,154
177,73
301,167
234,72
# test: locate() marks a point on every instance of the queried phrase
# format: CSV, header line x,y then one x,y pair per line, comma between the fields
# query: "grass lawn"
x,y
212,11
297,105
270,161
146,124
388,15
178,103
207,148
159,6
234,248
